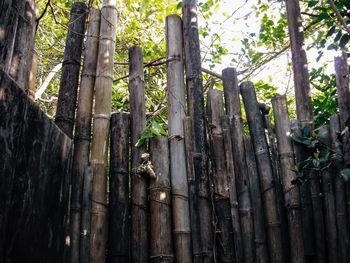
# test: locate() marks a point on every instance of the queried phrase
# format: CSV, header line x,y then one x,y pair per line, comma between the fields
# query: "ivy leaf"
x,y
345,174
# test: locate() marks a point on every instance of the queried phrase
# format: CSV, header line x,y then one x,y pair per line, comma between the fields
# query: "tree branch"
x,y
339,16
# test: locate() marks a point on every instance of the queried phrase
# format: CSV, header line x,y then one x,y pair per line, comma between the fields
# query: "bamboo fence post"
x,y
268,190
82,135
32,76
86,216
291,192
8,21
259,222
343,91
224,229
67,96
340,197
196,112
139,202
161,245
192,193
231,177
103,95
118,225
24,45
329,201
233,108
176,115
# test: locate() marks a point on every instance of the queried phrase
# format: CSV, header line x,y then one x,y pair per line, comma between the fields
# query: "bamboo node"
x,y
181,196
108,38
107,76
261,152
177,137
70,62
102,116
82,137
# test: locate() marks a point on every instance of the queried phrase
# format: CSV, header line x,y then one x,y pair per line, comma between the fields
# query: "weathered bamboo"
x,y
82,135
196,112
67,96
305,199
299,59
176,115
224,238
242,180
268,190
103,95
118,216
329,201
86,216
9,14
291,192
161,245
340,197
193,200
259,222
343,91
139,203
231,177
24,45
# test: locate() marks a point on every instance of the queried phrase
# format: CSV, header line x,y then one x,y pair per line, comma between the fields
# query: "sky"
x,y
233,30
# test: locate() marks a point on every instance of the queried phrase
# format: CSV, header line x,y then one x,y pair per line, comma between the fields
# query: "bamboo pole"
x,y
82,135
24,45
340,197
343,91
193,199
261,246
224,238
67,96
86,216
161,245
268,190
103,95
32,76
233,107
139,207
118,225
196,112
291,192
176,115
329,201
232,187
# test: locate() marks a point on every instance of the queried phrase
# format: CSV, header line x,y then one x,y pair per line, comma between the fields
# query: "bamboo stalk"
x,y
118,225
242,180
67,96
103,95
291,192
139,207
343,91
268,190
86,216
193,200
224,238
176,115
161,245
231,177
32,76
329,201
82,136
24,45
259,222
196,112
340,197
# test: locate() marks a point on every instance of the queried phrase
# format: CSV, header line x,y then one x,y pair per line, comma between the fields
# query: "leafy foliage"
x,y
153,129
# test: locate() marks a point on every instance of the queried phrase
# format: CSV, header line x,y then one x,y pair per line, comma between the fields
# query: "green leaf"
x,y
344,40
179,5
345,174
331,31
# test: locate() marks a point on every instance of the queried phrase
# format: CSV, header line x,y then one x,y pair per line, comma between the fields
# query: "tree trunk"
x,y
99,147
67,96
161,245
242,180
268,190
82,135
118,223
291,192
176,116
139,202
203,241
